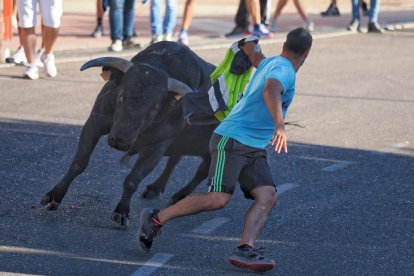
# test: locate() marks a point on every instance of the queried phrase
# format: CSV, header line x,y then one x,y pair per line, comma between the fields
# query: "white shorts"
x,y
50,10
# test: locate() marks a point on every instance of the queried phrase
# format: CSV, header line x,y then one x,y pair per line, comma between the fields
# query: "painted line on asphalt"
x,y
394,148
286,187
336,167
157,261
210,226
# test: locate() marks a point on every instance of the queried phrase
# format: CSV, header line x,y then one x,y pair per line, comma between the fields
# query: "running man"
x,y
238,151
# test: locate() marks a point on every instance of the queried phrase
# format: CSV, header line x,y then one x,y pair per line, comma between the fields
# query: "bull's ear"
x,y
178,87
121,64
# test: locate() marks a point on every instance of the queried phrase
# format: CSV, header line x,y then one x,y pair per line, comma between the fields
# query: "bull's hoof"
x,y
123,221
51,205
149,194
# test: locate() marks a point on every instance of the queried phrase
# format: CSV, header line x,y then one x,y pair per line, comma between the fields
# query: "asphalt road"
x,y
346,186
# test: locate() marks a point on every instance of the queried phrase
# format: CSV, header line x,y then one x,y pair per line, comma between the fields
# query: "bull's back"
x,y
178,62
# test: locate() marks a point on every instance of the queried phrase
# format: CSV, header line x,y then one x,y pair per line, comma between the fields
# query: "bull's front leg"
x,y
145,163
158,186
95,127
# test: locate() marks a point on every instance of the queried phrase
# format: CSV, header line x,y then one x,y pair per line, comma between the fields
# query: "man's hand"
x,y
279,140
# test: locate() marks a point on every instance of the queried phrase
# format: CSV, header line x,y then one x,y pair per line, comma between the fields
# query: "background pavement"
x,y
213,19
345,203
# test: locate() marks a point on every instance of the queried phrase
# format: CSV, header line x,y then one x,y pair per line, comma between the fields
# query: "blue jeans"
x,y
158,26
121,18
373,10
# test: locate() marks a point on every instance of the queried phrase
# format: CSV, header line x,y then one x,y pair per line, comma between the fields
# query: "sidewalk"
x,y
78,22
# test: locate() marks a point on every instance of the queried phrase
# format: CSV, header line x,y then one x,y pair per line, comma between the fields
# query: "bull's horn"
x,y
178,87
115,62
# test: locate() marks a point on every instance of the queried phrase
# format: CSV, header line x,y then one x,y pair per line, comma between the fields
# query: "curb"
x,y
218,44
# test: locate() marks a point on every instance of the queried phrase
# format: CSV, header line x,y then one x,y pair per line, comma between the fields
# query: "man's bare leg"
x,y
193,204
256,217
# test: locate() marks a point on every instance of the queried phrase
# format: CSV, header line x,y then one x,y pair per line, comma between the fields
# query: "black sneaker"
x,y
128,43
374,27
331,11
148,228
248,257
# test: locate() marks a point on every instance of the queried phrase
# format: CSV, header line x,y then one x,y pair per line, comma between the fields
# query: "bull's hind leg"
x,y
98,124
145,163
200,175
158,186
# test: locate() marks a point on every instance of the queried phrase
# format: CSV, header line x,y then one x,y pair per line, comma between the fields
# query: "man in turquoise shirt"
x,y
238,151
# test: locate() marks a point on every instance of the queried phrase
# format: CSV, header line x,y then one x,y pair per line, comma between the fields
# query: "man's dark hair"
x,y
298,41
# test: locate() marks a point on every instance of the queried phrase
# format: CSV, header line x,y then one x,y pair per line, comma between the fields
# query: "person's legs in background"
x,y
155,21
332,10
355,22
98,32
309,26
116,19
128,23
51,11
188,16
373,26
170,19
259,29
27,10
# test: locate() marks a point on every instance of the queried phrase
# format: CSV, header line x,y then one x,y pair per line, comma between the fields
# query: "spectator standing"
x,y
309,25
259,29
242,19
373,26
162,29
51,12
121,21
185,24
332,10
101,6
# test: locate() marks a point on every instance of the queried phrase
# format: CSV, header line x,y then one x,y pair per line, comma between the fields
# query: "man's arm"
x,y
250,49
273,99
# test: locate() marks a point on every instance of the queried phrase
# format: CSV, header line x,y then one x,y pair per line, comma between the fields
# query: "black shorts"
x,y
232,162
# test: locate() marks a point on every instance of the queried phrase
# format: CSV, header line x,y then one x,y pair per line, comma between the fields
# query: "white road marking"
x,y
336,167
211,225
157,261
285,187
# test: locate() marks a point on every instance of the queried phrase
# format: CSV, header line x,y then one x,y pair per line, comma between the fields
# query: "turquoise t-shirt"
x,y
250,122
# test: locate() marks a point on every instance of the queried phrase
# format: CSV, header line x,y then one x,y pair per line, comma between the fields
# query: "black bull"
x,y
140,112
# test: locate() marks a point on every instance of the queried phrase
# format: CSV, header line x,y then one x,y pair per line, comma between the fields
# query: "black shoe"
x,y
331,11
247,257
130,44
364,7
374,27
148,229
354,26
238,32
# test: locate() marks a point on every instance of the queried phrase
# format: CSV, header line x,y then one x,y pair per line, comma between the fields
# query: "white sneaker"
x,y
116,46
49,63
32,72
168,37
156,38
38,58
18,57
309,26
